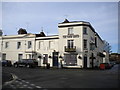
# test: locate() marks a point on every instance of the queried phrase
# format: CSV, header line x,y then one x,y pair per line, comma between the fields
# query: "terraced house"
x,y
77,45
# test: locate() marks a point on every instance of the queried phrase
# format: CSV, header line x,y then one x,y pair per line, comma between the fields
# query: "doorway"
x,y
85,62
55,58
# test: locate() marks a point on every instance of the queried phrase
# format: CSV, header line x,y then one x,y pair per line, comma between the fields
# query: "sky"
x,y
34,16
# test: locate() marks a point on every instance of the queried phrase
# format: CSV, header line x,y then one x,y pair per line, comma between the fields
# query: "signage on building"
x,y
70,36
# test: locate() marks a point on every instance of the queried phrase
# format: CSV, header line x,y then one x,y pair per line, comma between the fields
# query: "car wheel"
x,y
16,65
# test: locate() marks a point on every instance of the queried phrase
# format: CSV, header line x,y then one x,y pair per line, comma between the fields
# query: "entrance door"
x,y
85,62
55,58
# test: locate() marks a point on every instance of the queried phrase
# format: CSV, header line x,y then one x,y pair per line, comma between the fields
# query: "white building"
x,y
77,45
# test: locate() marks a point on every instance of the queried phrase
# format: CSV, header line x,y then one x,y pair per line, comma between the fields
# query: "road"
x,y
63,78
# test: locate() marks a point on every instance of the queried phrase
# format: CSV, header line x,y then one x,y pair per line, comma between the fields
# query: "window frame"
x,y
70,43
85,30
6,44
18,45
85,44
29,44
70,31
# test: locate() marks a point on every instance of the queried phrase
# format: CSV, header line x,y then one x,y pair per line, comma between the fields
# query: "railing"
x,y
70,49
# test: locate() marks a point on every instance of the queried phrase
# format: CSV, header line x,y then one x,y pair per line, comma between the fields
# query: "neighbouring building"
x,y
77,45
115,57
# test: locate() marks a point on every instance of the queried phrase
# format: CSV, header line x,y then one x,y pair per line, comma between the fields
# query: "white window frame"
x,y
18,45
84,30
6,44
70,30
29,44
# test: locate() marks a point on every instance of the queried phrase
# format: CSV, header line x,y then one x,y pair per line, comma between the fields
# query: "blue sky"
x,y
103,16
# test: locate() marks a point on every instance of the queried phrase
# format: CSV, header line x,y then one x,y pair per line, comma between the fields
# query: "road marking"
x,y
27,82
23,80
29,87
20,83
12,86
37,86
32,84
25,85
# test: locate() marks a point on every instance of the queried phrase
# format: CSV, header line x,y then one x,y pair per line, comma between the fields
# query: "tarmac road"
x,y
63,78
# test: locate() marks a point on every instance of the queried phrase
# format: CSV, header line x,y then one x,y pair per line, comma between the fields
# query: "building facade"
x,y
77,45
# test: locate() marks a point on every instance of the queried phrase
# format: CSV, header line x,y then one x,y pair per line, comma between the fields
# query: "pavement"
x,y
39,78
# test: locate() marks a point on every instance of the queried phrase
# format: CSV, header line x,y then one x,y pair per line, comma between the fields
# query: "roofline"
x,y
74,22
89,25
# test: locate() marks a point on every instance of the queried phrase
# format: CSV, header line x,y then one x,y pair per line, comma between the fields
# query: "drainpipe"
x,y
1,45
35,48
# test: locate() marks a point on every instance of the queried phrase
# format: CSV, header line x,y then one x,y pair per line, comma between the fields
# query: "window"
x,y
45,58
41,45
20,56
70,43
29,44
91,46
18,45
51,45
70,31
96,41
85,44
6,44
3,56
84,30
70,59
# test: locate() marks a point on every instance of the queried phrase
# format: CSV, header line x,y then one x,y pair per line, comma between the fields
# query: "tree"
x,y
107,47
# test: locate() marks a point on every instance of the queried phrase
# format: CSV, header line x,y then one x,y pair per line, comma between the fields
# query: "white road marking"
x,y
25,85
29,87
37,86
12,86
27,82
19,83
32,84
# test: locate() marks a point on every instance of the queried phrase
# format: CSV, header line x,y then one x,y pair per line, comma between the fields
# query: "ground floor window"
x,y
20,56
70,59
45,58
3,56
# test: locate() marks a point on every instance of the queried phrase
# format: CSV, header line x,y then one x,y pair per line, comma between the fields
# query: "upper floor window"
x,y
6,44
29,44
70,43
41,45
84,30
51,44
3,56
18,45
85,44
96,41
70,31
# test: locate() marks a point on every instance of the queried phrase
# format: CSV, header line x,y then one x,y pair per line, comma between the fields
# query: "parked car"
x,y
6,63
112,63
106,65
30,63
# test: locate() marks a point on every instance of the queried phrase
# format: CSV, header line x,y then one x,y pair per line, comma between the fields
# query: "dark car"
x,y
26,63
106,65
6,63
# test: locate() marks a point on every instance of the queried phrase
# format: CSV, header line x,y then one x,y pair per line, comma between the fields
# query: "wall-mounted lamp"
x,y
79,57
50,57
39,57
60,56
